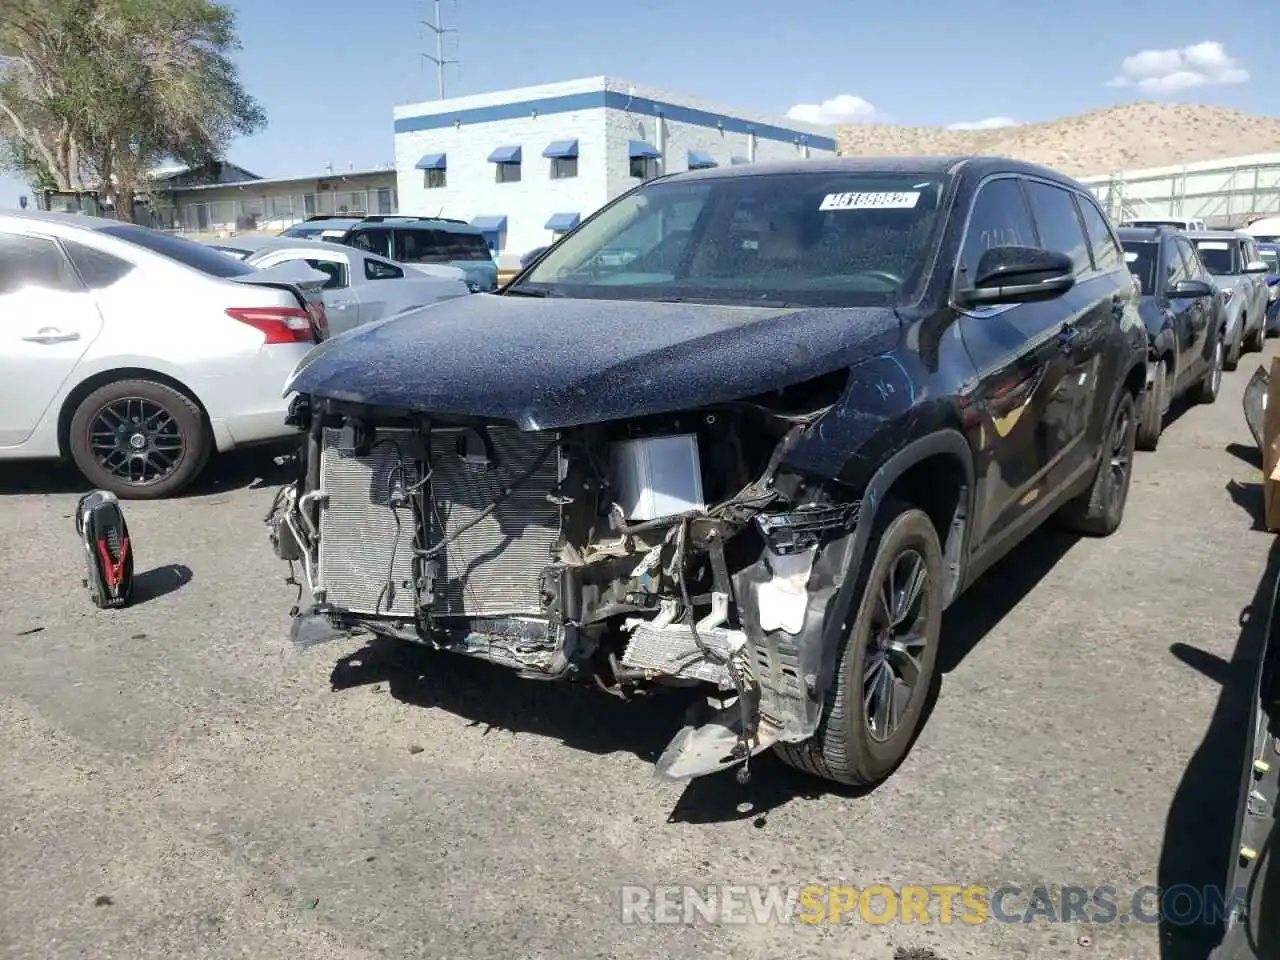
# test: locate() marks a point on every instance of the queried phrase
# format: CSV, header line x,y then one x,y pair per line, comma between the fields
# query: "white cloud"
x,y
842,108
1170,71
987,123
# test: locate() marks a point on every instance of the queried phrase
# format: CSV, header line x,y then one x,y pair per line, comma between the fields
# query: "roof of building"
x,y
276,181
605,92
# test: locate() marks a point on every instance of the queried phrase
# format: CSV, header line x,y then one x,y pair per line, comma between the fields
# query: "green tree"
x,y
106,89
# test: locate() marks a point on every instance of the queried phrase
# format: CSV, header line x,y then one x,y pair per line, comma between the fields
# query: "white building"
x,y
527,164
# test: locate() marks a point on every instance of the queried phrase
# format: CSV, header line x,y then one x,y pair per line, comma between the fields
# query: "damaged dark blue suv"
x,y
746,430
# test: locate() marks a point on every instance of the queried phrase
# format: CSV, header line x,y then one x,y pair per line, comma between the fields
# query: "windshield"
x,y
1272,258
1219,257
207,260
805,239
1141,258
1156,223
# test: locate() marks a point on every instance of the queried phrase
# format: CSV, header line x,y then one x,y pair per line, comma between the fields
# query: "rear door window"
x,y
1106,252
1058,221
98,270
420,246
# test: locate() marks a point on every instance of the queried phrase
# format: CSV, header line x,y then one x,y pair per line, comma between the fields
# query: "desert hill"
x,y
1125,137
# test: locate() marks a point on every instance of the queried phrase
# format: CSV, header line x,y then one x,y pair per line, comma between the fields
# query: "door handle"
x,y
52,335
1117,306
339,304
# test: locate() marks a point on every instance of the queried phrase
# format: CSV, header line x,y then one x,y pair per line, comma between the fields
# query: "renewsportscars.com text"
x,y
934,903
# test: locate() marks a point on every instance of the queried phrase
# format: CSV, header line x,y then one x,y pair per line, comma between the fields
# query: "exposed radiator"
x,y
494,568
358,528
491,569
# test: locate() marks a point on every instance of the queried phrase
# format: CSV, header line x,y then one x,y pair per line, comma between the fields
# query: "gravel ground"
x,y
178,781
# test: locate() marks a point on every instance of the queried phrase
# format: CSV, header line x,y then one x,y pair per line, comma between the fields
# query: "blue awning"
x,y
505,155
431,161
738,161
701,160
561,150
494,224
562,221
638,148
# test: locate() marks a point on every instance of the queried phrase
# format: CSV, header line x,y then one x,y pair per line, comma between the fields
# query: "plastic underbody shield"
x,y
108,551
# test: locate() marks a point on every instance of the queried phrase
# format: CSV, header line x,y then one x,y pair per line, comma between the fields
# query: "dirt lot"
x,y
177,781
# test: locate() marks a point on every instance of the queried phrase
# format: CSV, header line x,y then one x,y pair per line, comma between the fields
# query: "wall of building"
x,y
273,204
603,115
468,129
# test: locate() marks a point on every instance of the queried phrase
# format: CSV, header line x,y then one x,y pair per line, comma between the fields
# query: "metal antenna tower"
x,y
439,59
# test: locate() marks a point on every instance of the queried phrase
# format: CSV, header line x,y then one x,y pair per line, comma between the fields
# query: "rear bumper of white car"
x,y
250,409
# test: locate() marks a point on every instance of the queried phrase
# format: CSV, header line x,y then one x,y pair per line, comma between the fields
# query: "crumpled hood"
x,y
544,363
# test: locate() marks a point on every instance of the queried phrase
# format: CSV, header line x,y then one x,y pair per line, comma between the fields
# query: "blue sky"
x,y
328,72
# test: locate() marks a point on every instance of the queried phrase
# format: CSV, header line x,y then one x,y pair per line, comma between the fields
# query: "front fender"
x,y
947,442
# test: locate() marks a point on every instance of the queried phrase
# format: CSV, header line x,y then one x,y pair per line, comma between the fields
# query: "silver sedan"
x,y
137,354
362,287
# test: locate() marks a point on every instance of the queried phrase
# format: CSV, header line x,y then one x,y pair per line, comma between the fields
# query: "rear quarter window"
x,y
207,260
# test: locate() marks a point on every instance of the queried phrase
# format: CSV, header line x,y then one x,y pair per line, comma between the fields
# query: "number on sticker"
x,y
902,200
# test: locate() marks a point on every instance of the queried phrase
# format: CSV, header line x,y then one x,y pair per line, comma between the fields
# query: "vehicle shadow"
x,y
495,699
1249,498
1197,850
255,466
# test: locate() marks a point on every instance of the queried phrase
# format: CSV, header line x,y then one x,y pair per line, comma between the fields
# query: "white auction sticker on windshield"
x,y
1213,245
902,200
1130,256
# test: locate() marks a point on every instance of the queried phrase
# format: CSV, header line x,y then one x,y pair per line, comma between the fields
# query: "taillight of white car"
x,y
278,324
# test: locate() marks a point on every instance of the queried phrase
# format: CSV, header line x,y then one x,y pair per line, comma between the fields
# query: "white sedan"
x,y
137,353
362,287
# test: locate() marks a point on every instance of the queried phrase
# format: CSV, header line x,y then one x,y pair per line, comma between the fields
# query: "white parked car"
x,y
137,354
362,287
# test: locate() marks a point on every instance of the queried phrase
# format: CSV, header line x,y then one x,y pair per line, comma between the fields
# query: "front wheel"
x,y
886,662
1098,511
139,439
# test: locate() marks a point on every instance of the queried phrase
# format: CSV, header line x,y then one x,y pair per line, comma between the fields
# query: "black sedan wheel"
x,y
139,439
1099,510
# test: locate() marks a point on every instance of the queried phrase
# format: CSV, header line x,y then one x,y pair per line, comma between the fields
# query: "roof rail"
x,y
335,216
380,217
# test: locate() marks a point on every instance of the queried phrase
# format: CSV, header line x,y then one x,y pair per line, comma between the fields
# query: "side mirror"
x,y
532,255
1256,266
1190,289
1018,275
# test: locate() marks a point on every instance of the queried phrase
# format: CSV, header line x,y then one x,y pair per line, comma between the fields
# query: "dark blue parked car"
x,y
1270,252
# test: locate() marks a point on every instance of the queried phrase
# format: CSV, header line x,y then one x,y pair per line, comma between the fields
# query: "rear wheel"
x,y
1098,511
1234,350
1206,391
886,662
1254,342
1153,409
139,439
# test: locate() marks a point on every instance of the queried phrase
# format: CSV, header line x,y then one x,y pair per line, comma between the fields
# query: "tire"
x,y
845,749
1232,359
1255,341
1153,409
1099,510
1206,391
176,435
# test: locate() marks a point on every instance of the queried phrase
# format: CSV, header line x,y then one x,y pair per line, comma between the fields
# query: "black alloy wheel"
x,y
897,641
139,439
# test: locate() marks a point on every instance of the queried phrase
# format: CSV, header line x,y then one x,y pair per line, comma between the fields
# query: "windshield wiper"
x,y
527,292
